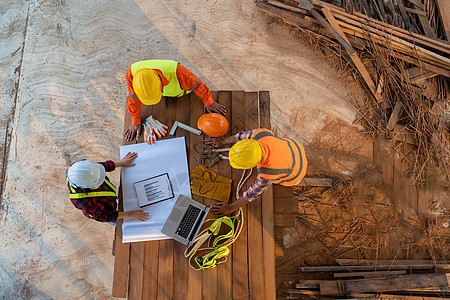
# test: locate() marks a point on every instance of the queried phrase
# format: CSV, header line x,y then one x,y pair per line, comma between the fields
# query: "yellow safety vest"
x,y
169,70
93,193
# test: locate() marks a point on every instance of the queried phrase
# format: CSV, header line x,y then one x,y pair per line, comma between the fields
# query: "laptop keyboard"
x,y
188,221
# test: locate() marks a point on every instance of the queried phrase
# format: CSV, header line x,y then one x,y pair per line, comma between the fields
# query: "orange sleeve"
x,y
189,82
134,104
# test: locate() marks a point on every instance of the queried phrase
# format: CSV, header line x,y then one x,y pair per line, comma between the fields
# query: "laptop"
x,y
185,220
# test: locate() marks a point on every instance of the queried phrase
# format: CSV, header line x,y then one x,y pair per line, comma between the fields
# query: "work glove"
x,y
153,128
209,184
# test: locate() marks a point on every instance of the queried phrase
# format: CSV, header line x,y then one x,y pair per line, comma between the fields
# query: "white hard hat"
x,y
86,174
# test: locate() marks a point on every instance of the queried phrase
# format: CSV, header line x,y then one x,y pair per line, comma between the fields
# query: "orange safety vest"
x,y
284,159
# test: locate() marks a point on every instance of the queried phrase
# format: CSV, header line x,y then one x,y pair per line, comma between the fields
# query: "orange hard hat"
x,y
213,124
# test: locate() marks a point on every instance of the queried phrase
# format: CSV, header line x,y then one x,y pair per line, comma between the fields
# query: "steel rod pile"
x,y
406,73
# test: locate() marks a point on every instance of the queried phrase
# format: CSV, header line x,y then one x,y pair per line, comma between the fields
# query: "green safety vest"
x,y
169,70
75,195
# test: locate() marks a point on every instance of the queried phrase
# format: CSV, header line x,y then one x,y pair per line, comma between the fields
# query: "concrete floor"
x,y
63,93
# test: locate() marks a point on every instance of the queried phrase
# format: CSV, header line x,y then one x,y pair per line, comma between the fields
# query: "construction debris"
x,y
401,60
379,285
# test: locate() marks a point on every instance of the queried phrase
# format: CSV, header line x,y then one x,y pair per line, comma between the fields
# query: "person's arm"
x,y
134,104
189,82
221,141
243,135
258,187
139,215
109,165
134,108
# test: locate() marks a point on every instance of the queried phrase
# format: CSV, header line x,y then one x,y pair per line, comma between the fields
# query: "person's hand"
x,y
131,131
139,215
221,209
216,142
217,108
126,161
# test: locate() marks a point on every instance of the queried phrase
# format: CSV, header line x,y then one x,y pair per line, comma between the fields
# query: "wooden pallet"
x,y
158,269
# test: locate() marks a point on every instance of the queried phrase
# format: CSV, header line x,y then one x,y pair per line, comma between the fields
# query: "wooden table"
x,y
158,269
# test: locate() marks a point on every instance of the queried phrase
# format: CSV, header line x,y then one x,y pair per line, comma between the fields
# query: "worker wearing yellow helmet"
x,y
149,80
278,161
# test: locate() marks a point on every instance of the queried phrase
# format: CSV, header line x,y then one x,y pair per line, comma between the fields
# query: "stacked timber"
x,y
400,52
391,281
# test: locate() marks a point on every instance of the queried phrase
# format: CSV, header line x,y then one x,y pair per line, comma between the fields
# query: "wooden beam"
x,y
386,30
150,285
402,134
360,19
330,287
401,282
354,261
342,40
288,7
418,4
136,270
415,11
444,11
395,115
181,269
121,263
418,75
422,64
267,211
353,55
377,267
288,16
316,182
285,206
370,274
283,219
423,20
305,4
195,278
239,251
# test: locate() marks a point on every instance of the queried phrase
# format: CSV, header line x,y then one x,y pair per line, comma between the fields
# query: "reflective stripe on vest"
x,y
75,195
195,85
283,172
292,179
169,70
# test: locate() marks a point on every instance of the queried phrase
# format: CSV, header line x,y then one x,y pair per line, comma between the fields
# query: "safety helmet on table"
x,y
147,86
86,174
213,124
245,154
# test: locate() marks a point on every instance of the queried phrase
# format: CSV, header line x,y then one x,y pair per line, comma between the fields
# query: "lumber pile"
x,y
394,280
399,52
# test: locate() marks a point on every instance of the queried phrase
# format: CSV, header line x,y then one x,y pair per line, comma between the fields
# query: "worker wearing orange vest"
x,y
278,160
148,80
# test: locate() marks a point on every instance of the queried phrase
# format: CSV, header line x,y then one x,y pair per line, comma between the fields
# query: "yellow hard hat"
x,y
245,154
147,86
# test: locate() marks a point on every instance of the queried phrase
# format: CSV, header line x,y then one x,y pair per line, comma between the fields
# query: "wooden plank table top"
x,y
158,269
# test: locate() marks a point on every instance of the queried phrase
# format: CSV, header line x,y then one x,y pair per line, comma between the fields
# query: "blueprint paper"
x,y
166,156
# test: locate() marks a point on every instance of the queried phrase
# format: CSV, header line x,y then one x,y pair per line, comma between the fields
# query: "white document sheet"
x,y
166,156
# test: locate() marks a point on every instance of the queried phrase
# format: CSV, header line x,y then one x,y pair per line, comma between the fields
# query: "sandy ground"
x,y
63,92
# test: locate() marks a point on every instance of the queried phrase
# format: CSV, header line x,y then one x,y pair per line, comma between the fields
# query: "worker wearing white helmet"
x,y
93,193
